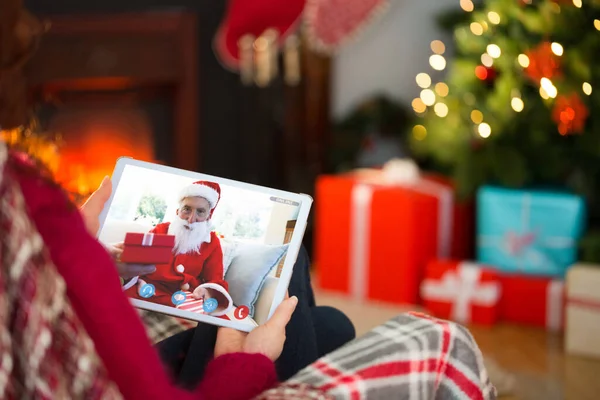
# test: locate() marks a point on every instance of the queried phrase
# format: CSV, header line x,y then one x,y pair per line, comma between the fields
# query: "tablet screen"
x,y
218,249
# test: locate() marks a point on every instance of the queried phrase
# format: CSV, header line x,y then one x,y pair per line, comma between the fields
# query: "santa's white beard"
x,y
189,237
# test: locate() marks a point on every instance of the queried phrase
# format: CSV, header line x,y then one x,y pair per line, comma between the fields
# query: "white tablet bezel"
x,y
294,245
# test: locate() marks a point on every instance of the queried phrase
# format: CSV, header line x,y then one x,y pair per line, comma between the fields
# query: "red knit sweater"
x,y
94,290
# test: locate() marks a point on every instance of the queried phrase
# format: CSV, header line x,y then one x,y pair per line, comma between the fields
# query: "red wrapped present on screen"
x,y
147,248
376,229
463,292
533,300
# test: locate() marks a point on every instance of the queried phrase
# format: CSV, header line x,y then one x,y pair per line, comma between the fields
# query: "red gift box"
x,y
147,248
373,239
464,292
530,300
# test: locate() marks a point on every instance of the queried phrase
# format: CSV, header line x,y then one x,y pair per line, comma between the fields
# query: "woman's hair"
x,y
20,34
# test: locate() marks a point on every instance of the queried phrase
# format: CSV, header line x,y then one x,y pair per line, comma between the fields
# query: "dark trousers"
x,y
312,332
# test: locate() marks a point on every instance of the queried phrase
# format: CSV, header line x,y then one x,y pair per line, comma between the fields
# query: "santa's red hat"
x,y
210,191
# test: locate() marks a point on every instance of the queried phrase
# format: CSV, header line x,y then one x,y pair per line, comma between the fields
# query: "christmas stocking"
x,y
330,23
254,17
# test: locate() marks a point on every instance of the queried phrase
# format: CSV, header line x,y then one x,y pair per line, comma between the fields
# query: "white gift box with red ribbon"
x,y
582,330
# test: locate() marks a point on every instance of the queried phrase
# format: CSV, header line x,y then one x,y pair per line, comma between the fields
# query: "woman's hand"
x,y
94,205
267,339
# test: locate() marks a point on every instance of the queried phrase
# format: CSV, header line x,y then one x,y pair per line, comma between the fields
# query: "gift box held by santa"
x,y
196,264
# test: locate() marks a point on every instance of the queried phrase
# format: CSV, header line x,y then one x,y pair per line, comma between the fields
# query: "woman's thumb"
x,y
284,312
95,203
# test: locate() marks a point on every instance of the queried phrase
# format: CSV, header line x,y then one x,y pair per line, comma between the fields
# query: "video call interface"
x,y
206,247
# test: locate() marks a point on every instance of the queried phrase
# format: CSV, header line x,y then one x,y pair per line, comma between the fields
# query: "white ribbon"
x,y
148,239
360,221
445,197
396,173
463,289
401,171
554,305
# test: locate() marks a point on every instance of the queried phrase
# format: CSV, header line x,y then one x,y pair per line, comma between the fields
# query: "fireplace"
x,y
95,130
118,85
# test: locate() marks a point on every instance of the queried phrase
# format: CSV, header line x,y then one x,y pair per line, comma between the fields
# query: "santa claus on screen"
x,y
197,262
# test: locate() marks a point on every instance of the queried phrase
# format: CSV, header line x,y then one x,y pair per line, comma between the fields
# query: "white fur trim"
x,y
197,190
221,290
316,44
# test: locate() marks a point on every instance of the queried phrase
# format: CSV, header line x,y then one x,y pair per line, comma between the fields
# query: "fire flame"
x,y
94,139
86,145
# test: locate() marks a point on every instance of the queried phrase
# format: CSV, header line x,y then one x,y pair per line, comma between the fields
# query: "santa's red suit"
x,y
188,271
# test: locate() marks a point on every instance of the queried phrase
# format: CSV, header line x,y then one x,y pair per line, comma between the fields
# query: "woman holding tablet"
x,y
312,331
68,331
74,334
35,208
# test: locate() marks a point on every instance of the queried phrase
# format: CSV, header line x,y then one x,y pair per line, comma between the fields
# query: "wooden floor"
x,y
541,368
532,358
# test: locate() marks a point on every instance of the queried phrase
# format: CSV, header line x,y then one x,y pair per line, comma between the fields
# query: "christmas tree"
x,y
379,114
516,108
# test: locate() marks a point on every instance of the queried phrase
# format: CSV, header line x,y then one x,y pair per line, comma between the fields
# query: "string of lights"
x,y
538,65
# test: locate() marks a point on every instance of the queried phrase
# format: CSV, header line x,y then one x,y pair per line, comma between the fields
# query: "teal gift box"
x,y
528,231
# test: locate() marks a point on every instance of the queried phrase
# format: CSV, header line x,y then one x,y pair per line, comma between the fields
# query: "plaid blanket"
x,y
412,356
161,326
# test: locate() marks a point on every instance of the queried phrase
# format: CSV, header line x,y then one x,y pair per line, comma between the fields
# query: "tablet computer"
x,y
223,250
